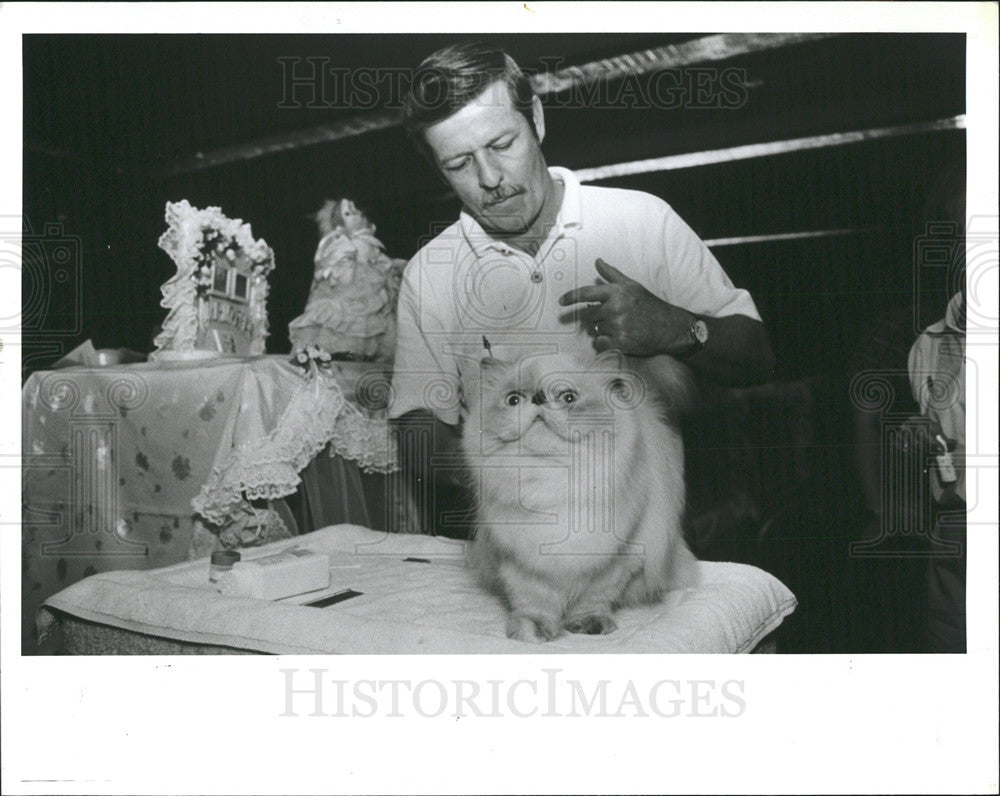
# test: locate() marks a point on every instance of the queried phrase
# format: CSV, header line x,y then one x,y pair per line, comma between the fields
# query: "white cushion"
x,y
432,606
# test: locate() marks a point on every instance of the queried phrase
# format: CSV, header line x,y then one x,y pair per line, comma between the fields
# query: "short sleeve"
x,y
917,367
689,276
424,375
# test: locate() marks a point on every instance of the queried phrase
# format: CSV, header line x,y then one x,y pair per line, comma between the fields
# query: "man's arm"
x,y
626,316
737,352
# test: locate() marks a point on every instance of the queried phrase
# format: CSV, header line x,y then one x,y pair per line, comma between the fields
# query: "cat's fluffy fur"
x,y
579,480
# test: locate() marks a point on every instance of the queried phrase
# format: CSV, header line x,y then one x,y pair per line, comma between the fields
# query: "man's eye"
x,y
513,399
569,397
503,145
456,166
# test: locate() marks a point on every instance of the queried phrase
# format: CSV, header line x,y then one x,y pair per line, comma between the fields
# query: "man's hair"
x,y
449,79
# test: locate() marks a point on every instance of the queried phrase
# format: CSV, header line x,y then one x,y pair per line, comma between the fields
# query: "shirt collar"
x,y
569,212
569,216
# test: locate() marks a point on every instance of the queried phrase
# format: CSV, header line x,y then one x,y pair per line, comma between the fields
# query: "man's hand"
x,y
918,436
921,440
624,315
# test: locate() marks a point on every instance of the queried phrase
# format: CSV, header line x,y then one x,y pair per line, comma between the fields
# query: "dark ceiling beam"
x,y
704,50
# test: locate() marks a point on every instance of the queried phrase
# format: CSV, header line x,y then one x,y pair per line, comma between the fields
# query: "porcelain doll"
x,y
350,313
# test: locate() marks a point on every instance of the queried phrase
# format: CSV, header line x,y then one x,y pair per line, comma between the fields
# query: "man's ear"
x,y
538,117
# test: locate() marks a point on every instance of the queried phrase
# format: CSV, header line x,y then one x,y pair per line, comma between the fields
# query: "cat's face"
x,y
539,405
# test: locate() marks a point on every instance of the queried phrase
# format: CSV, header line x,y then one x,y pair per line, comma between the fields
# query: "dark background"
x,y
113,123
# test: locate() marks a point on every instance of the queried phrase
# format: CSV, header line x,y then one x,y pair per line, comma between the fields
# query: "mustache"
x,y
502,194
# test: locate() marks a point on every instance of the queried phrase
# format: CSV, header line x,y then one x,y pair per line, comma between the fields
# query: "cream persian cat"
x,y
579,480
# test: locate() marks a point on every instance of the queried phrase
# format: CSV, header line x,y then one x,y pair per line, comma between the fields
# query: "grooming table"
x,y
393,593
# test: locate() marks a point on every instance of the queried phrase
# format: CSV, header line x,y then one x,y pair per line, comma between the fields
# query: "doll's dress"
x,y
349,310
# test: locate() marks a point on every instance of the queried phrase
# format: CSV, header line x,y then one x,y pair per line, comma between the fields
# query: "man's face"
x,y
491,158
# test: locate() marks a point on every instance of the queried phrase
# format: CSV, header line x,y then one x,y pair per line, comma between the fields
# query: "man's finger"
x,y
592,313
603,343
586,293
610,273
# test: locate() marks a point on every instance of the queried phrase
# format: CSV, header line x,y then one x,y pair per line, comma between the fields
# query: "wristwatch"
x,y
697,336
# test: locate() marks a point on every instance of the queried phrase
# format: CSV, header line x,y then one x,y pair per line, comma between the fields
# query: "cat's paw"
x,y
523,628
638,592
591,624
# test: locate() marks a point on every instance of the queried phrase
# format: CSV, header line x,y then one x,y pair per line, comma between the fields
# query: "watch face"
x,y
700,330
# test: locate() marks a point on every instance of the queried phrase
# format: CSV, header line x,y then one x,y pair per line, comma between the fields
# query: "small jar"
x,y
222,562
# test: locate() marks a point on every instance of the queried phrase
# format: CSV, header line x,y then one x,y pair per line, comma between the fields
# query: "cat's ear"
x,y
612,359
611,366
488,364
490,369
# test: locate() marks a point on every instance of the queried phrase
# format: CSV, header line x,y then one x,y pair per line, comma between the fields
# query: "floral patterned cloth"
x,y
125,466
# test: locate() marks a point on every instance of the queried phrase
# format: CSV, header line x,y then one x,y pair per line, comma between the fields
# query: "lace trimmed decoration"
x,y
268,468
217,300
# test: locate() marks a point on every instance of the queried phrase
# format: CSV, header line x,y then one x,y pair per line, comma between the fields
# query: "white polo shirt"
x,y
464,286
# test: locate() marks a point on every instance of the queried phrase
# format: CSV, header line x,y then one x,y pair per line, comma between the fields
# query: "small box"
x,y
273,577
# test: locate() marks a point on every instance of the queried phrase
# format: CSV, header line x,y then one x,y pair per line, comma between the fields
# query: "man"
x,y
937,378
532,245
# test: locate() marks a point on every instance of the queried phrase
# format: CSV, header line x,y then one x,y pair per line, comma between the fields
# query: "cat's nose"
x,y
538,399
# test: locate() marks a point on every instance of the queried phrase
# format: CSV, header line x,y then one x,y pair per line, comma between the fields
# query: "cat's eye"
x,y
513,399
569,397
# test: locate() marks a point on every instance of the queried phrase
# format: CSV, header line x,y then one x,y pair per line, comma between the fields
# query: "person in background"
x,y
911,553
937,379
936,367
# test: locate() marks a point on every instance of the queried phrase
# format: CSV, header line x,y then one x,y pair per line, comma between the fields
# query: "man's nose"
x,y
490,176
